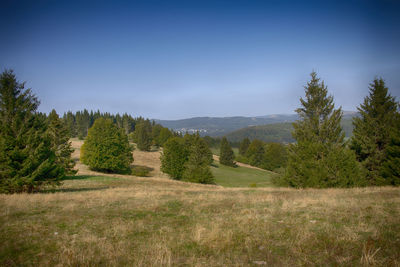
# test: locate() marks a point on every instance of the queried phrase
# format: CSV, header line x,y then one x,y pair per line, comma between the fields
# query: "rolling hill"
x,y
276,132
219,126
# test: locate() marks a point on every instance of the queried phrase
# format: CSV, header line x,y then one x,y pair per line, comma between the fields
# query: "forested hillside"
x,y
276,132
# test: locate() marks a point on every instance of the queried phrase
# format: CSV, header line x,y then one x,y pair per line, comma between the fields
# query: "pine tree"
x,y
226,155
320,157
275,156
255,153
60,144
371,134
165,134
197,167
391,167
106,148
244,145
143,135
174,156
27,161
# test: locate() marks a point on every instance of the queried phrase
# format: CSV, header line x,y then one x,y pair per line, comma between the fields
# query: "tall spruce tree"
x,y
391,167
27,161
320,157
143,135
226,155
372,130
60,144
244,145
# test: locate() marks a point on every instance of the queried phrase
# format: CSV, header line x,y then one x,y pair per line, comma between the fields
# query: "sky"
x,y
181,59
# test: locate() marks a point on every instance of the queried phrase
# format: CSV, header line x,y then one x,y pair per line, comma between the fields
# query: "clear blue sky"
x,y
179,59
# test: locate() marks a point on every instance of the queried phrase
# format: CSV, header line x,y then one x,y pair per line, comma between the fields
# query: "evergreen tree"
x,y
391,166
255,153
155,133
226,153
58,133
371,134
174,156
197,167
27,161
106,148
143,135
320,157
165,134
244,145
275,156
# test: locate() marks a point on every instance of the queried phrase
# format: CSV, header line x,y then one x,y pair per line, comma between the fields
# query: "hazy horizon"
x,y
173,60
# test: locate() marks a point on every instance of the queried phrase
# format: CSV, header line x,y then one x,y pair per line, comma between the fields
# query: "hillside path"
x,y
216,158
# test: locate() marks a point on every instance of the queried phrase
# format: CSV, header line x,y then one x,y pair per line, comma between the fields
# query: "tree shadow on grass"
x,y
67,190
76,177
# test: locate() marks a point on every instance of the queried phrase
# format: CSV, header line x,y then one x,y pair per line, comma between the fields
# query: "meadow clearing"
x,y
98,219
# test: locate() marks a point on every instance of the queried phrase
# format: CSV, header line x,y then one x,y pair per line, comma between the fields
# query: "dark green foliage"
x,y
187,159
27,161
106,148
244,145
204,149
197,167
320,157
255,153
226,153
155,133
143,135
165,134
372,130
275,156
174,156
58,133
391,167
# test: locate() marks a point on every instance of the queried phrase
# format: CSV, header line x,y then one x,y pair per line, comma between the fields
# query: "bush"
x,y
106,148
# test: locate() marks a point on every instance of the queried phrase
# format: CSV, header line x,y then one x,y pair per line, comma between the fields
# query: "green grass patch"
x,y
241,176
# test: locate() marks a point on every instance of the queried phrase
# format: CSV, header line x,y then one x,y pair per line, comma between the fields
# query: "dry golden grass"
x,y
154,222
126,220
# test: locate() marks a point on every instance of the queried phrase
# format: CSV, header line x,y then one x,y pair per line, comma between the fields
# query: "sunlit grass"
x,y
156,221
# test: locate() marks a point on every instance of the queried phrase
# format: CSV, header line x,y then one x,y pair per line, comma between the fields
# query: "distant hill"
x,y
276,132
215,126
219,126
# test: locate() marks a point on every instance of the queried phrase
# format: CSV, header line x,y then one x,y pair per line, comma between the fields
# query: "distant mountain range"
x,y
220,126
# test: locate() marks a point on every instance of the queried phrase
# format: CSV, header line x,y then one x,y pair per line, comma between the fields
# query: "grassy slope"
x,y
154,222
240,176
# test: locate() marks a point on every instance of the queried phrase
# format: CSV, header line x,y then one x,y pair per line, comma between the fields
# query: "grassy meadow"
x,y
241,176
112,220
94,220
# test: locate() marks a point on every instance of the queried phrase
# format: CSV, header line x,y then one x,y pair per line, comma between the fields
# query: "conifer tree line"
x,y
141,131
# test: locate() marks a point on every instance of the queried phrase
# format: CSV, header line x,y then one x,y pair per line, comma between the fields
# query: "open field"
x,y
155,221
241,176
98,219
